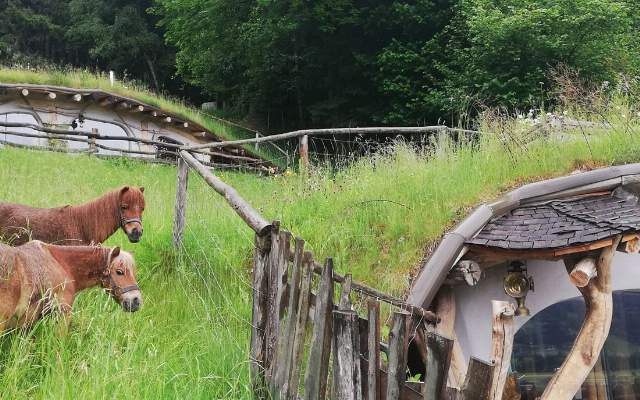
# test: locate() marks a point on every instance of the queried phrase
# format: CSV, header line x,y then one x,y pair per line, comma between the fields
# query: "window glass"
x,y
541,345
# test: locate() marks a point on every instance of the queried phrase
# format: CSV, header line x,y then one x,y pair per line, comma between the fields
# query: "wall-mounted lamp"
x,y
517,284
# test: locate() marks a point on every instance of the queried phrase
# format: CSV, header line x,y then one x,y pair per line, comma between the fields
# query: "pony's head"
x,y
131,206
119,279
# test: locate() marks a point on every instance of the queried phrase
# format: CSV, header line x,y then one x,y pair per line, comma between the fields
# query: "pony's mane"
x,y
99,215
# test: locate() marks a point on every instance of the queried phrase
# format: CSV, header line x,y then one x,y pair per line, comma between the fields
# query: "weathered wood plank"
x,y
594,331
318,365
478,380
446,312
259,317
272,313
181,203
345,299
347,383
286,340
502,332
439,350
279,271
397,356
301,324
304,152
373,347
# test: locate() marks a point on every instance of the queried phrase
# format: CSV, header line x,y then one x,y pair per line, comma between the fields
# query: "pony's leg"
x,y
65,300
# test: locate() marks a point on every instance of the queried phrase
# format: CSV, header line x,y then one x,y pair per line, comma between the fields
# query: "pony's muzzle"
x,y
132,301
135,234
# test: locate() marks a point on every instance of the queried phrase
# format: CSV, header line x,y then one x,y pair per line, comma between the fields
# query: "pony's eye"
x,y
119,272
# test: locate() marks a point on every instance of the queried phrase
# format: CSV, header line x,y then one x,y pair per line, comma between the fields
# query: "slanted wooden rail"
x,y
298,327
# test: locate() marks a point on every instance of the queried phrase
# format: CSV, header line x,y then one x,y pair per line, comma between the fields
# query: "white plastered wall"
x,y
473,304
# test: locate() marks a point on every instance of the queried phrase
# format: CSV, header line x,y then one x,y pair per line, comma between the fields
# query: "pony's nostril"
x,y
136,301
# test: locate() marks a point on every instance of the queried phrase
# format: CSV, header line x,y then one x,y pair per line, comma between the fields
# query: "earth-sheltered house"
x,y
564,254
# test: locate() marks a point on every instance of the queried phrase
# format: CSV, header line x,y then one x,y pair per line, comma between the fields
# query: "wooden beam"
x,y
582,273
24,92
167,119
137,108
502,333
567,380
467,271
304,151
324,132
259,316
77,97
51,95
239,205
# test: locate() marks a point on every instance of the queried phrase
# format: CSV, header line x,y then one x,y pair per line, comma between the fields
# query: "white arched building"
x,y
108,114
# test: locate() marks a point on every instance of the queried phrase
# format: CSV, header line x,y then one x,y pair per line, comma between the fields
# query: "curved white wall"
x,y
473,304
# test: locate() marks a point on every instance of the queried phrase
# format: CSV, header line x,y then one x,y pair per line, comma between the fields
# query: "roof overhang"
x,y
434,272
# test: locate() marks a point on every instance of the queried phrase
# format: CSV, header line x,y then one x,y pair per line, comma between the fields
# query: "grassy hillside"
x,y
190,339
84,79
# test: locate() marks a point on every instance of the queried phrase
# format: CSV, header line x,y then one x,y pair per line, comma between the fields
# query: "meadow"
x,y
376,217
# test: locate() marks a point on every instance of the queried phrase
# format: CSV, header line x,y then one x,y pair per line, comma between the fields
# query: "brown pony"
x,y
38,278
90,223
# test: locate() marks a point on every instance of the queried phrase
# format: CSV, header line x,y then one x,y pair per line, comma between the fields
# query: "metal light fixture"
x,y
517,284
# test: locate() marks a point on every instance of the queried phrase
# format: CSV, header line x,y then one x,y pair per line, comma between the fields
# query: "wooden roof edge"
x,y
436,268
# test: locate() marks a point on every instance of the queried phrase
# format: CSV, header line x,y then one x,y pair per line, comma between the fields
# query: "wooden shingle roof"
x,y
561,223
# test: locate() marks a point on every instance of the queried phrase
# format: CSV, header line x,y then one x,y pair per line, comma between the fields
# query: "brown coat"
x,y
89,223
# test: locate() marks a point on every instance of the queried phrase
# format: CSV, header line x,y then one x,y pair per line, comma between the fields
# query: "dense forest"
x,y
282,64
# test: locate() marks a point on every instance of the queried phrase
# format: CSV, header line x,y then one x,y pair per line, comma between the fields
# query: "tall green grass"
x,y
191,337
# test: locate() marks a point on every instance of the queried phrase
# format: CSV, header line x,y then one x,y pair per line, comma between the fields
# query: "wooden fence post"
x,y
373,370
301,323
181,202
396,372
347,381
260,315
315,380
304,152
272,289
439,350
286,339
502,332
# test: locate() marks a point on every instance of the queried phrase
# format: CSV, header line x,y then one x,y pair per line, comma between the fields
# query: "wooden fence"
x,y
308,341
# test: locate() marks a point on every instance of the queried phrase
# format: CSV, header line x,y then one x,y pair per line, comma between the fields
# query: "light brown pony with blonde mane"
x,y
90,223
38,278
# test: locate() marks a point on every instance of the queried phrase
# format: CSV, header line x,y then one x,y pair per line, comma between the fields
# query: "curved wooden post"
x,y
503,332
585,351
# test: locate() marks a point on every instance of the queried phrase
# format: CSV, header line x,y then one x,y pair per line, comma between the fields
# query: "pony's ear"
x,y
142,189
115,252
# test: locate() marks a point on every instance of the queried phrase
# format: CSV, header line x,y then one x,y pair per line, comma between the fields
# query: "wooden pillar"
x,y
566,382
181,203
502,333
446,311
478,380
304,152
396,372
315,380
373,348
347,381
